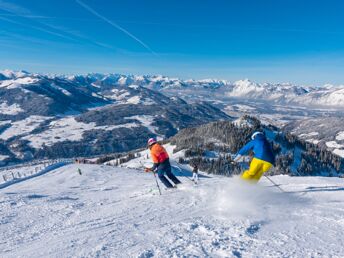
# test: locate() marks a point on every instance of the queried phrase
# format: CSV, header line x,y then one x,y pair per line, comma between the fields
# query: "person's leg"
x,y
170,175
196,178
265,167
256,167
163,179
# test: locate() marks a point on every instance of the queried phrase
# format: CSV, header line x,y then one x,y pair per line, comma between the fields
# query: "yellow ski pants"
x,y
257,168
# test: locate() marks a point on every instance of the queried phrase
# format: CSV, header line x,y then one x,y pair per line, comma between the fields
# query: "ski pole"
x,y
156,180
274,184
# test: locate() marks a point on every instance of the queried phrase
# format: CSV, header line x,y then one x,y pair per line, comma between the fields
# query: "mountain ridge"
x,y
326,95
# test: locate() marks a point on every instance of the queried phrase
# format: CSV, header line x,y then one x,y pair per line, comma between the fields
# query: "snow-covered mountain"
x,y
57,116
288,93
278,93
327,95
63,115
326,132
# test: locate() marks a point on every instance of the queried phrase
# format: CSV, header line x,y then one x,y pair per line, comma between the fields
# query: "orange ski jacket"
x,y
158,153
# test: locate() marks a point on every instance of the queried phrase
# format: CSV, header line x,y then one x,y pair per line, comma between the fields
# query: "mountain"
x,y
212,147
326,132
55,115
40,95
282,93
278,92
327,95
47,116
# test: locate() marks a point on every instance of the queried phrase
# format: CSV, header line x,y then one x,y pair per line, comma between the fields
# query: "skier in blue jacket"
x,y
263,158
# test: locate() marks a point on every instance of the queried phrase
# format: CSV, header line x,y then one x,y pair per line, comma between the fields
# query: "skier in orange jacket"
x,y
161,163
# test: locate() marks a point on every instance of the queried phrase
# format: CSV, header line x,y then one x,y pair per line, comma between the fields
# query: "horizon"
x,y
275,42
169,77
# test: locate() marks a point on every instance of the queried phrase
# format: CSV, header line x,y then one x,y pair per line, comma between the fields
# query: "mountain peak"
x,y
11,74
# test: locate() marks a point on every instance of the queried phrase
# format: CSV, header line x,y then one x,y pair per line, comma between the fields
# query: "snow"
x,y
134,100
331,97
308,137
283,93
311,134
244,107
122,80
117,212
334,144
14,74
133,86
118,95
340,136
243,87
5,122
23,126
147,121
242,122
3,157
66,129
15,83
314,141
64,91
13,109
339,152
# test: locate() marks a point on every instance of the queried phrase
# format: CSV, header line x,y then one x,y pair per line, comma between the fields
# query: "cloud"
x,y
18,11
115,25
26,16
13,8
37,28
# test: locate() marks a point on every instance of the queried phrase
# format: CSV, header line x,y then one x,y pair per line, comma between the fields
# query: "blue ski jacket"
x,y
261,147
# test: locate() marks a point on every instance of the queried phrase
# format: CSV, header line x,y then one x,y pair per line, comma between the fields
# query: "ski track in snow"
x,y
118,212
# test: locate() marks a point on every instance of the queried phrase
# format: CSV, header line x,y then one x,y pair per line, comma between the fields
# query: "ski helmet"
x,y
254,135
151,141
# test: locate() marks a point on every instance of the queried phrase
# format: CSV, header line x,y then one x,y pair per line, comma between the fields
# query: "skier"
x,y
195,174
161,163
263,158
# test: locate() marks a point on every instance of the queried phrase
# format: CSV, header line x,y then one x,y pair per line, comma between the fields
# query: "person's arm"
x,y
155,166
244,150
155,163
237,158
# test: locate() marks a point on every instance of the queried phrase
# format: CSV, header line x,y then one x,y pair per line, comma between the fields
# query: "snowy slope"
x,y
117,212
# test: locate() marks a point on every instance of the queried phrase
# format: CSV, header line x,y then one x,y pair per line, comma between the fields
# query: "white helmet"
x,y
255,134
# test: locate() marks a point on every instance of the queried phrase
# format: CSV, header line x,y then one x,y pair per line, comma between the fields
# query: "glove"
x,y
148,169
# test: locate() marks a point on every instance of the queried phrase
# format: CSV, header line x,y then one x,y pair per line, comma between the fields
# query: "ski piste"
x,y
111,211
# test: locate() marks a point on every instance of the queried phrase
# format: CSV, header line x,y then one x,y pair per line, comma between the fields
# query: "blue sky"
x,y
264,40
